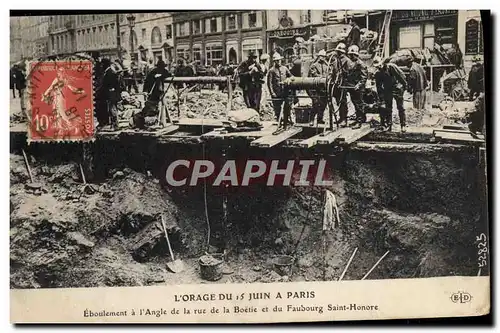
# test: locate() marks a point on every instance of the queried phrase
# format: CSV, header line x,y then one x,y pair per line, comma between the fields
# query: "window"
x,y
214,54
196,27
231,22
197,54
143,34
410,37
252,20
305,17
213,24
182,52
429,35
168,31
155,36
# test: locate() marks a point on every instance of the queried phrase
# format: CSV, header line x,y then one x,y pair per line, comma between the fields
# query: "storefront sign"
x,y
421,15
288,33
472,37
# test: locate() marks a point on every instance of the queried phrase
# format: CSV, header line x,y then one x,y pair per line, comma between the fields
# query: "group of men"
x,y
113,78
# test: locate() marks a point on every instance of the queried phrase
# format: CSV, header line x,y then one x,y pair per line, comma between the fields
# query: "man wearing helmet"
x,y
251,75
319,99
391,84
278,74
357,79
342,65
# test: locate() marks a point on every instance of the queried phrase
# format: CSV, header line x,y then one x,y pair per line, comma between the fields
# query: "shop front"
x,y
423,28
251,45
232,51
285,41
182,51
214,53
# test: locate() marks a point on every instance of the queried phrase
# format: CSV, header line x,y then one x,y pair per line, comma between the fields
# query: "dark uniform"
x,y
276,76
107,96
357,79
318,96
417,84
476,80
391,84
154,88
354,36
343,65
251,76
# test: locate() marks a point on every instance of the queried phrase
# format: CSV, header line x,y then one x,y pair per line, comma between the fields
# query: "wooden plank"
x,y
312,141
461,137
199,122
450,131
455,127
356,134
167,130
330,137
274,139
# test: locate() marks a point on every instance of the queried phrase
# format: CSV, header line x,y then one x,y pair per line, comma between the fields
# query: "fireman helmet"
x,y
277,56
340,47
353,49
265,56
322,53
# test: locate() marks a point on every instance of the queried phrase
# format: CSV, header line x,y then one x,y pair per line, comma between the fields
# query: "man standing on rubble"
x,y
277,75
251,74
107,96
341,66
318,96
476,79
354,36
417,83
391,84
153,88
357,80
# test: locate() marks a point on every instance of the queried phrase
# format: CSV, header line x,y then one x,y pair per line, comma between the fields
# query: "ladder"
x,y
382,38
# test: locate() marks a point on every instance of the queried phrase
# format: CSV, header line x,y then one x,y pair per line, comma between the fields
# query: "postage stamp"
x,y
60,95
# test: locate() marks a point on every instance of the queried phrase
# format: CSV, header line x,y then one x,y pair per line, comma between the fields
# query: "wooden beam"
x,y
274,139
330,137
167,130
460,137
356,134
199,122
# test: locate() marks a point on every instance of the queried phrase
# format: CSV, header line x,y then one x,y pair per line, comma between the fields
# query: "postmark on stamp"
x,y
60,94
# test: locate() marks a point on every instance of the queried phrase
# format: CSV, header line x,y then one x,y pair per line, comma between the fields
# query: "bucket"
x,y
211,267
303,115
283,265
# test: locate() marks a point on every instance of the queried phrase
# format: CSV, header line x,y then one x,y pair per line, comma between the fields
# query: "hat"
x,y
265,56
353,49
322,53
377,61
251,54
340,47
277,56
160,64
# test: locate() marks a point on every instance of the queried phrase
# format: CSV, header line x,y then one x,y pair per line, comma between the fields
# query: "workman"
x,y
264,61
341,67
278,74
357,80
153,89
417,83
391,84
318,96
251,75
476,79
107,96
354,36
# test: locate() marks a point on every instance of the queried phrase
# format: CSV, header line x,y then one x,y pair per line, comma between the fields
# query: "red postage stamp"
x,y
61,97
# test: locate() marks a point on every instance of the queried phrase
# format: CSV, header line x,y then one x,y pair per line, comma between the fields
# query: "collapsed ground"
x,y
424,208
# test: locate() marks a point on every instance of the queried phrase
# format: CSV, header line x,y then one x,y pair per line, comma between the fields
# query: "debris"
x,y
226,270
209,260
257,268
33,186
79,239
279,242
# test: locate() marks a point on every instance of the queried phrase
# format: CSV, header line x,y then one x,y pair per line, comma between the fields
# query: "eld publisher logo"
x,y
461,297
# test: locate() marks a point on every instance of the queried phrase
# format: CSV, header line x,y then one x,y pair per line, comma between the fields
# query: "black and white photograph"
x,y
153,148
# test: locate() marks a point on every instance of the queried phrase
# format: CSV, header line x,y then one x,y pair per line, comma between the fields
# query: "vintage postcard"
x,y
248,166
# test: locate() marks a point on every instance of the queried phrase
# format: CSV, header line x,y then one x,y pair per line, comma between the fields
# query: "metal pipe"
x,y
306,82
196,79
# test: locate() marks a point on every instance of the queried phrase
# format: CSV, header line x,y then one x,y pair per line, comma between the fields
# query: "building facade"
x,y
84,33
29,37
215,37
470,36
149,37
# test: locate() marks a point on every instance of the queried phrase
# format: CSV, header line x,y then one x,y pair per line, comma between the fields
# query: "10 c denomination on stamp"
x,y
61,97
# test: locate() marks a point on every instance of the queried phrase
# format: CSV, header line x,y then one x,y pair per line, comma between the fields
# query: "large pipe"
x,y
196,79
306,82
